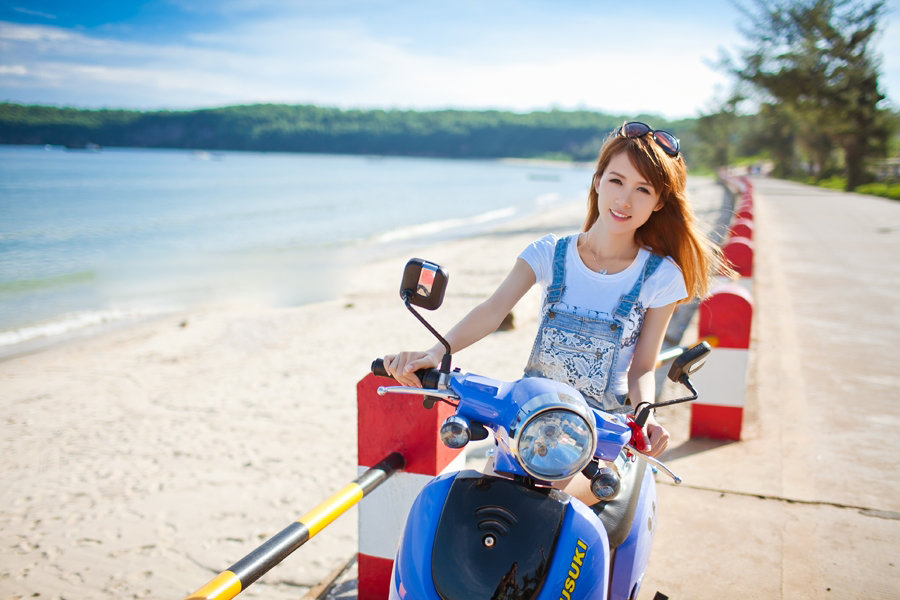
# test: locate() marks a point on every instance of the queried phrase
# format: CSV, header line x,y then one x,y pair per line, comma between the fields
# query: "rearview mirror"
x,y
423,284
689,362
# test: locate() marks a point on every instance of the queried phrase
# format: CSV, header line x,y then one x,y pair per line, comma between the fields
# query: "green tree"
x,y
772,132
812,60
716,132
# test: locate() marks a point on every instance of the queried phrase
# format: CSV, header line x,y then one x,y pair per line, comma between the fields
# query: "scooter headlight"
x,y
555,444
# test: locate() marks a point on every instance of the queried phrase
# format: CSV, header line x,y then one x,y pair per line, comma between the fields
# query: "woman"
x,y
609,291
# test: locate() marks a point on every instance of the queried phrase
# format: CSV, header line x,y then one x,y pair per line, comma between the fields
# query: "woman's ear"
x,y
658,206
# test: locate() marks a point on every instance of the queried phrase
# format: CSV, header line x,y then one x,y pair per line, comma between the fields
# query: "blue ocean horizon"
x,y
88,238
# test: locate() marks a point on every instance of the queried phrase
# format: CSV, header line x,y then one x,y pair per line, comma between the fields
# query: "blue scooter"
x,y
510,534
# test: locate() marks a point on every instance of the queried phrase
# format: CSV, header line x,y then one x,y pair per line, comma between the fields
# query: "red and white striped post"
x,y
745,206
725,318
385,424
741,228
738,250
738,247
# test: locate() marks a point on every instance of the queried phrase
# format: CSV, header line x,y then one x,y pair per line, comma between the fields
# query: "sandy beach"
x,y
140,462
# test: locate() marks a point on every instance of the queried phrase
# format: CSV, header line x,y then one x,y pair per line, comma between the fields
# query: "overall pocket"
x,y
585,362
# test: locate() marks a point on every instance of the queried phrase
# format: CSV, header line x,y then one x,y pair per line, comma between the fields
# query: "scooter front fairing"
x,y
470,536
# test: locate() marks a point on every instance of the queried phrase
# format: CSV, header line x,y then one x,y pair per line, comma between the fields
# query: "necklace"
x,y
599,265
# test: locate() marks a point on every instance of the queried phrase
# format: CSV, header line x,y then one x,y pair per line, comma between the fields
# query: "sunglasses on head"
x,y
665,140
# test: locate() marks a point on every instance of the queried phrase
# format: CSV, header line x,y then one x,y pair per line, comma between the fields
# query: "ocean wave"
x,y
434,227
18,286
70,323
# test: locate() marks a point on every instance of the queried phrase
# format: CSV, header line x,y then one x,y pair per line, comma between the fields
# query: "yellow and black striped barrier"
x,y
241,574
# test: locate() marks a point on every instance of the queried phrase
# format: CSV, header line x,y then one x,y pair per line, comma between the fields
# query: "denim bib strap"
x,y
626,304
557,286
578,350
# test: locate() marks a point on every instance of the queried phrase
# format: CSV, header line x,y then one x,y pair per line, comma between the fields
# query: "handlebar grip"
x,y
378,368
428,377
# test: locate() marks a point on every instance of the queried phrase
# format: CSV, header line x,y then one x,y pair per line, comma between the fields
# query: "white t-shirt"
x,y
590,294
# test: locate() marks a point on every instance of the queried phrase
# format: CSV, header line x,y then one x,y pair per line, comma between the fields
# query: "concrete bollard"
x,y
741,228
744,197
385,424
724,320
745,207
738,251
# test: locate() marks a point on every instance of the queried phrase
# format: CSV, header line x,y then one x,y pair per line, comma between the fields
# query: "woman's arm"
x,y
481,320
641,379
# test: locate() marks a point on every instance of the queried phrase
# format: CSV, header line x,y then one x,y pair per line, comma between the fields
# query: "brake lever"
x,y
656,463
416,391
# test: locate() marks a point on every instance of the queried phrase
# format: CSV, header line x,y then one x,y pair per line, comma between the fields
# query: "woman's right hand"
x,y
403,366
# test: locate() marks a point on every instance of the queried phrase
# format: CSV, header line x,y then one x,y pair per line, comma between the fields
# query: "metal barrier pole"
x,y
241,574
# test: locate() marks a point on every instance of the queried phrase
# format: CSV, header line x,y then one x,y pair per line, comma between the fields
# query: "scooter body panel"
x,y
573,564
632,556
411,575
582,539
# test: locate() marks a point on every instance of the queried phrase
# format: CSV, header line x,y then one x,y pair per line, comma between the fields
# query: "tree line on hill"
x,y
288,128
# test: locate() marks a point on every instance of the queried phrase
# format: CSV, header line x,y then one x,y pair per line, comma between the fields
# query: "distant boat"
x,y
204,155
91,146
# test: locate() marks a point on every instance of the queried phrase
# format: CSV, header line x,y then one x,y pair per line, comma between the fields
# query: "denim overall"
x,y
578,350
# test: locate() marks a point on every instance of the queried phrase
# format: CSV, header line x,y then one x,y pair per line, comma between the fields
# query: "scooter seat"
x,y
617,515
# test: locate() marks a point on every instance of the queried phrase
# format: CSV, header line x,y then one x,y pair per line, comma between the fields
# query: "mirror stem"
x,y
445,362
643,413
685,380
644,408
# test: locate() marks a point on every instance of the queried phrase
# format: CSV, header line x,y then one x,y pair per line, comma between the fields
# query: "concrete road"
x,y
807,504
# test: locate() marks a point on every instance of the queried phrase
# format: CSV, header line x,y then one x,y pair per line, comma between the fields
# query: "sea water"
x,y
92,237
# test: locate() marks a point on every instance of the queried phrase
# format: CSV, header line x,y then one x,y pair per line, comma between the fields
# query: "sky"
x,y
613,56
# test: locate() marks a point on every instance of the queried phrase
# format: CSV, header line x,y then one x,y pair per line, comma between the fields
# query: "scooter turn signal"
x,y
605,481
456,432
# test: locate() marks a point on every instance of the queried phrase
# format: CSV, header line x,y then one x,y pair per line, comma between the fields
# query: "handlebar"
x,y
428,377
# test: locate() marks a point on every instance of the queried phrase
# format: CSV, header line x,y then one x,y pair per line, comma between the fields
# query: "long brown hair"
x,y
673,229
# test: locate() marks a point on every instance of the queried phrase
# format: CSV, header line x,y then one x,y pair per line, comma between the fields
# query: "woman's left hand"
x,y
658,436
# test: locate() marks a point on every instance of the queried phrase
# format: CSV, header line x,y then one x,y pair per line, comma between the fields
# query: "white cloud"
x,y
348,66
595,62
13,70
12,32
33,13
293,60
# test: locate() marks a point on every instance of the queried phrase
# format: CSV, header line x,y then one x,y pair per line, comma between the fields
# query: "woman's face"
x,y
625,198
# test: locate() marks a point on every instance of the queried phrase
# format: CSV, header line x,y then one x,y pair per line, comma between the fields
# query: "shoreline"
x,y
274,263
31,337
148,458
